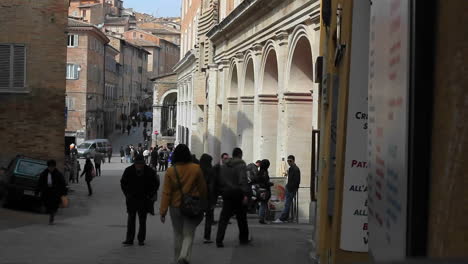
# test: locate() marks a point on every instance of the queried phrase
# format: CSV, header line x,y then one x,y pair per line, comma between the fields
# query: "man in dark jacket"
x,y
294,180
140,185
154,158
52,187
128,154
232,184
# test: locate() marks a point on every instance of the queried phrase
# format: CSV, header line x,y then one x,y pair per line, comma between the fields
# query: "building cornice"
x,y
185,62
245,11
92,30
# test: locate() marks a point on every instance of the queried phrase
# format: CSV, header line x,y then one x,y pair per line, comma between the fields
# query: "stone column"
x,y
298,139
156,123
281,38
230,126
245,125
213,143
268,129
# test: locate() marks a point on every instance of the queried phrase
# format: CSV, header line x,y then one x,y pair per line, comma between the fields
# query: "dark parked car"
x,y
21,178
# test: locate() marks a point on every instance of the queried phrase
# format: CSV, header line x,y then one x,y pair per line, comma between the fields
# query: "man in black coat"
x,y
140,186
294,180
232,183
52,187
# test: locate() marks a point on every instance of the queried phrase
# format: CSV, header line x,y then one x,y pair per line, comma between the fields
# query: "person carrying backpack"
x,y
232,183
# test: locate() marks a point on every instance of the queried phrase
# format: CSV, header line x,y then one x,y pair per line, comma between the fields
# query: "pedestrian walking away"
x,y
109,154
51,187
294,180
181,180
78,166
146,154
208,173
140,185
144,135
129,127
232,183
122,154
154,158
98,158
89,173
162,160
262,184
128,154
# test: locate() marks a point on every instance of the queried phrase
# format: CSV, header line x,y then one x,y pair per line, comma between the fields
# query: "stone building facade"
x,y
248,81
165,109
85,81
189,130
32,97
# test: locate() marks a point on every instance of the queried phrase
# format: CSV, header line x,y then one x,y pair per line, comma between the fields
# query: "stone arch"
x,y
300,62
245,117
249,79
229,129
233,81
168,112
269,78
298,103
267,115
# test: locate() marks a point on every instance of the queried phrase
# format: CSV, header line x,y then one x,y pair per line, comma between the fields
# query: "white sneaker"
x,y
278,221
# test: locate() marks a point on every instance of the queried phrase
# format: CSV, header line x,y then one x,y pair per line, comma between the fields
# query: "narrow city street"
x,y
92,228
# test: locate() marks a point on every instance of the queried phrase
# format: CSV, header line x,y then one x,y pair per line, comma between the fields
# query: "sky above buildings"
x,y
158,8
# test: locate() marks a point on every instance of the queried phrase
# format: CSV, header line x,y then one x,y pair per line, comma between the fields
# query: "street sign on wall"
x,y
388,128
354,233
354,225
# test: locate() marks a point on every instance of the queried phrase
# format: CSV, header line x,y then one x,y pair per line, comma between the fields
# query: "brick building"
x,y
94,11
32,84
133,64
111,91
168,29
163,55
85,81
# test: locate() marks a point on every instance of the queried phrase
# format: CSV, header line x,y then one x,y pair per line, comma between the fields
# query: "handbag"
x,y
93,172
191,206
64,202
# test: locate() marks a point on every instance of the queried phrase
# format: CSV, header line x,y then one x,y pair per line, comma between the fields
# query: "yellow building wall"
x,y
328,233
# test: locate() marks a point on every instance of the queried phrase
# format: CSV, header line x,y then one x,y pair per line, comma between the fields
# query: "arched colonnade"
x,y
267,100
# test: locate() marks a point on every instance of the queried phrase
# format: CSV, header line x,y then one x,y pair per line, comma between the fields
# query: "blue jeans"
x,y
129,160
287,205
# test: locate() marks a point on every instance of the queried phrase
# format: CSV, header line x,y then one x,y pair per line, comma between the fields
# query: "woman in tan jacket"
x,y
193,183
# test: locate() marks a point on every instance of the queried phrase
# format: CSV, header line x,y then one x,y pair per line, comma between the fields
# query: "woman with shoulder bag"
x,y
262,180
89,173
185,193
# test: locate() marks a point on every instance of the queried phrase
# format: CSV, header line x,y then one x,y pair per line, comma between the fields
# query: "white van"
x,y
88,148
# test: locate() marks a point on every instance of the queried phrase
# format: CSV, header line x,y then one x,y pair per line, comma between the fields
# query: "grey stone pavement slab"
x,y
92,228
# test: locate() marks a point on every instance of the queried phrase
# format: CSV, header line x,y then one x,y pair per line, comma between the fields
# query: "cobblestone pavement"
x,y
92,229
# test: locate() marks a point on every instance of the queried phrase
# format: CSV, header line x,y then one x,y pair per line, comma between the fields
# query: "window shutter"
x,y
5,58
77,37
19,66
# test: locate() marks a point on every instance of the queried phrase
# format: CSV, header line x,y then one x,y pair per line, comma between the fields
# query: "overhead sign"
x,y
388,129
354,223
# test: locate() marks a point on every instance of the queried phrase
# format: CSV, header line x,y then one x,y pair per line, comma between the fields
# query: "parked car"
x,y
88,148
21,178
